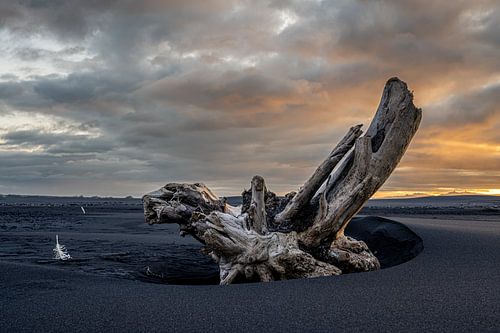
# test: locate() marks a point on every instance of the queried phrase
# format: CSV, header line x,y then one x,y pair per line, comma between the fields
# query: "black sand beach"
x,y
451,286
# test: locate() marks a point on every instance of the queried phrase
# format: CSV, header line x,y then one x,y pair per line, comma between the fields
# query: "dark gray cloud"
x,y
118,97
83,87
30,54
473,107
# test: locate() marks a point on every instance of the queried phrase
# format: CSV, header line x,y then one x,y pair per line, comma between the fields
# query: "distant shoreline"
x,y
233,197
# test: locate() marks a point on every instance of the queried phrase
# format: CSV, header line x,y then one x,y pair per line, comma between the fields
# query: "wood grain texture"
x,y
301,234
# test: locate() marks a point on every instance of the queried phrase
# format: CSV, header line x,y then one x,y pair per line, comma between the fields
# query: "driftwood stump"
x,y
301,234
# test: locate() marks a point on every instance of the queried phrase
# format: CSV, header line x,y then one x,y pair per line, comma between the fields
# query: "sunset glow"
x,y
442,191
118,98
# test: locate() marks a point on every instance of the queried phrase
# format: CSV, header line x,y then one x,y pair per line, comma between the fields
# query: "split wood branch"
x,y
301,235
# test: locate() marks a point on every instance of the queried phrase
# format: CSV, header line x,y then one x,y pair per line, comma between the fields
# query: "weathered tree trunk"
x,y
301,234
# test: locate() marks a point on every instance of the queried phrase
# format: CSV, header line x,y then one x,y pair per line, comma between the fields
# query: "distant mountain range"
x,y
434,201
474,200
456,201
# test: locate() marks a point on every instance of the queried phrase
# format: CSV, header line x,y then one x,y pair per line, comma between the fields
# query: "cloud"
x,y
61,143
136,94
476,106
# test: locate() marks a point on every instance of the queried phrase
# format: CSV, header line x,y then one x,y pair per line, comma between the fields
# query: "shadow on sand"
x,y
392,242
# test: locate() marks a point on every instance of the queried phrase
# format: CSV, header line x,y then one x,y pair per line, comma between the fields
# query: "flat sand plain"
x,y
452,286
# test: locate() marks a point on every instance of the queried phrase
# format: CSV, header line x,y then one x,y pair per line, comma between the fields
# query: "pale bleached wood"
x,y
307,191
247,248
376,155
257,211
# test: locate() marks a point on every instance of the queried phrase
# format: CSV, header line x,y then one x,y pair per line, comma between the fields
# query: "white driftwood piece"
x,y
60,252
301,234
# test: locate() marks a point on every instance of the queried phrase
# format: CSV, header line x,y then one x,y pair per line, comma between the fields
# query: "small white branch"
x,y
60,252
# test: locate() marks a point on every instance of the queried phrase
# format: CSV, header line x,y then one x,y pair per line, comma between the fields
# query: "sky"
x,y
118,98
